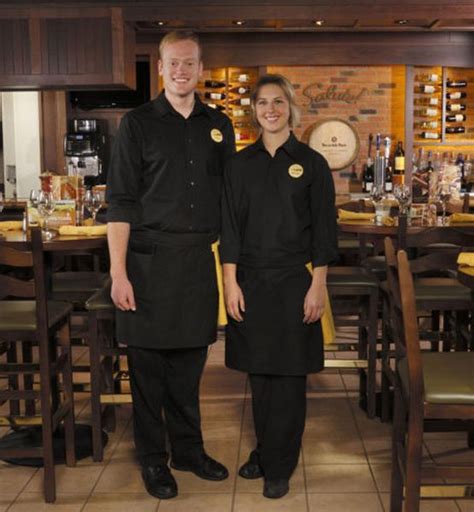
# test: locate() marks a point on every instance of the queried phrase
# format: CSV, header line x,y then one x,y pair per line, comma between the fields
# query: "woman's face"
x,y
272,109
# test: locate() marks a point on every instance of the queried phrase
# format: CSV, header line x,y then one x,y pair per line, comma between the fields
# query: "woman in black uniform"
x,y
278,215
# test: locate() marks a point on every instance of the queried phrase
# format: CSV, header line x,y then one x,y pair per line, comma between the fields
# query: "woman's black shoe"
x,y
204,467
251,469
275,488
159,482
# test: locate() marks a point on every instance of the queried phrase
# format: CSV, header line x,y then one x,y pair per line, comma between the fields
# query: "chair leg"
x,y
385,391
12,357
414,454
69,420
362,348
372,355
398,439
94,351
27,356
470,434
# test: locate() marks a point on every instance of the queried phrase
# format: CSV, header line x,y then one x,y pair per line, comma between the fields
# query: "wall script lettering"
x,y
318,94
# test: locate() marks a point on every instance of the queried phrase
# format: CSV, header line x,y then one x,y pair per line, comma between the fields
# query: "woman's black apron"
x,y
174,282
272,339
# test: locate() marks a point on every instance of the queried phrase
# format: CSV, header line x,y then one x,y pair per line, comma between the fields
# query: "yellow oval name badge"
x,y
295,170
216,135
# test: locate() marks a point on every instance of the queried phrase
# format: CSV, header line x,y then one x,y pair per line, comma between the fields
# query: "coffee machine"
x,y
84,150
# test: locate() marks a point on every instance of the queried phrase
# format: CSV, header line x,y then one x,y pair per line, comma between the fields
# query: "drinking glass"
x,y
34,196
46,205
402,194
93,203
444,195
2,202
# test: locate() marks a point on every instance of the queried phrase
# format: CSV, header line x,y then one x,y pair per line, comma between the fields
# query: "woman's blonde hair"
x,y
288,90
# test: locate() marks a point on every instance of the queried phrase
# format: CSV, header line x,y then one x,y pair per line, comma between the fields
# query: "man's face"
x,y
181,68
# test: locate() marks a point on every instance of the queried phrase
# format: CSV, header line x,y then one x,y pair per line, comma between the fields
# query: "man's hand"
x,y
314,303
122,294
234,301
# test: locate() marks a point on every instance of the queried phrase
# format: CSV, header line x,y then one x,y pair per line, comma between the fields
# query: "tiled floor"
x,y
344,465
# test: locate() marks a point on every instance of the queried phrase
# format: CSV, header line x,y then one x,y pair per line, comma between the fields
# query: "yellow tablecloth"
x,y
83,230
11,225
347,215
461,217
466,259
327,321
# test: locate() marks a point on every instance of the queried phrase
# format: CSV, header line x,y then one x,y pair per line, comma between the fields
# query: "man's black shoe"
x,y
204,467
251,469
159,482
275,488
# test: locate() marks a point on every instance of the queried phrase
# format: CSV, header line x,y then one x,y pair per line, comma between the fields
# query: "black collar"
x,y
290,146
164,107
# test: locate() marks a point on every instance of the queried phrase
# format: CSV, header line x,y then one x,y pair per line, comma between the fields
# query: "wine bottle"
x,y
369,176
214,84
455,118
214,95
455,129
427,101
240,112
388,178
241,136
427,89
242,124
240,90
240,77
428,112
456,83
428,77
456,95
428,124
429,135
398,177
215,106
240,101
455,107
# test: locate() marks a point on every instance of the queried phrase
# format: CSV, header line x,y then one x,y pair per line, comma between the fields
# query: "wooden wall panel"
x,y
14,47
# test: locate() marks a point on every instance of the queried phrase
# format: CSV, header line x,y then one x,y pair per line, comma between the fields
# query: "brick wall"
x,y
379,108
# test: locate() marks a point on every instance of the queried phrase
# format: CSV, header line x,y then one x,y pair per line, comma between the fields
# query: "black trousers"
x,y
166,381
279,413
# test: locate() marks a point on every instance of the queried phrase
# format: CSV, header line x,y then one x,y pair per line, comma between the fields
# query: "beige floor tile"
x,y
329,408
76,480
5,500
324,381
334,451
121,503
217,410
466,505
198,503
217,430
14,478
431,505
29,501
351,502
382,475
120,477
339,478
257,503
454,451
330,427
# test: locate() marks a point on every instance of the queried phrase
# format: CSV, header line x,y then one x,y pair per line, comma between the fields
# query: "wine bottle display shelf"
x,y
443,105
228,90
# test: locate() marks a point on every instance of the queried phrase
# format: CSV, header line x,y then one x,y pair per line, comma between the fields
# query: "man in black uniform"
x,y
163,193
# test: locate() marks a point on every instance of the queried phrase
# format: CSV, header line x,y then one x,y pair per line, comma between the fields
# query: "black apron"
x,y
272,339
174,282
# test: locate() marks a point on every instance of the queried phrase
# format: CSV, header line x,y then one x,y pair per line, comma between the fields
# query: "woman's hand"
x,y
234,300
314,303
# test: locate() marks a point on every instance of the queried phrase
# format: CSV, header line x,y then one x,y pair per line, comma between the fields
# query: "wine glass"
x,y
2,202
402,193
34,196
444,195
93,203
46,205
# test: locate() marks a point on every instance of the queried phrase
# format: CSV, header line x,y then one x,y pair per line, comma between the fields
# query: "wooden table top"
x,y
19,240
370,228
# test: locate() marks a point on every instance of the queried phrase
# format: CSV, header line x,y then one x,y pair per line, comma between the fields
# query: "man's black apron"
x,y
174,282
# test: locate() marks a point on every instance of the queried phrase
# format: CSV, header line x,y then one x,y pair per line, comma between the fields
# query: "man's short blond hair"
x,y
180,35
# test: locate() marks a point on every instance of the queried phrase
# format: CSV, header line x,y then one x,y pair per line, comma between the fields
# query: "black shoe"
x,y
275,488
251,469
204,467
159,482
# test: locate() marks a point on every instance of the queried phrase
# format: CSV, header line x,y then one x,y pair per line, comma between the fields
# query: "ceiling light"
x,y
239,22
401,22
318,23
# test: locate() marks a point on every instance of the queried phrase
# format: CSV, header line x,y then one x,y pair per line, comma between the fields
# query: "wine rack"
x,y
228,89
443,106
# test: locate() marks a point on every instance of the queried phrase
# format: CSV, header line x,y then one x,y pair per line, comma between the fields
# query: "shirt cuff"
x,y
120,213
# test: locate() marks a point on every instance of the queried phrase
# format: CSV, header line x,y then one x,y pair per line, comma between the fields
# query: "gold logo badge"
x,y
216,135
295,170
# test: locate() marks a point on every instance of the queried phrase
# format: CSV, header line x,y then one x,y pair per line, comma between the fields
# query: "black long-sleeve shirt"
x,y
278,211
166,171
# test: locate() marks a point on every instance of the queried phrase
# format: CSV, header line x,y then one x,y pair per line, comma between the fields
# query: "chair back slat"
x,y
12,287
459,236
15,258
440,260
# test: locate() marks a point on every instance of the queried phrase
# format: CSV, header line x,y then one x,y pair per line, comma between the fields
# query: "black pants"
x,y
166,380
279,413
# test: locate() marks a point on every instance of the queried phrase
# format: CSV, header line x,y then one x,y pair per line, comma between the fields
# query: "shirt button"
x,y
191,205
190,228
190,140
191,183
191,162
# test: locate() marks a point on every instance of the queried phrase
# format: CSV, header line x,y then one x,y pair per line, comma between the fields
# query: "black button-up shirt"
x,y
278,211
166,171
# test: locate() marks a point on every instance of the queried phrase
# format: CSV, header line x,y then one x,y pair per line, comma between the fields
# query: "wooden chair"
x,y
43,324
432,385
439,296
